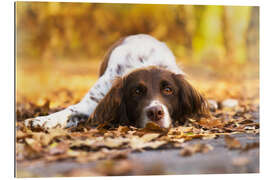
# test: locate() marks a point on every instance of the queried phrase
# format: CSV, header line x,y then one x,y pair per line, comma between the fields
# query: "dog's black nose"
x,y
155,113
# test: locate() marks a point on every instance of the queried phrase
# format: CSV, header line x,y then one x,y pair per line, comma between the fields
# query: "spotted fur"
x,y
124,57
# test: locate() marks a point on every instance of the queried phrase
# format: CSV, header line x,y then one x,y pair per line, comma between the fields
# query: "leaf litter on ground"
x,y
91,144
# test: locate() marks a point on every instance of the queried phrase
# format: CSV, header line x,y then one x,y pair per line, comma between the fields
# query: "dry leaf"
x,y
137,143
211,123
58,148
189,150
35,145
115,168
153,127
250,146
115,142
82,172
232,143
240,161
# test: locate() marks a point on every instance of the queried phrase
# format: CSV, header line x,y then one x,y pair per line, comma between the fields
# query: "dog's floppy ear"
x,y
191,103
111,109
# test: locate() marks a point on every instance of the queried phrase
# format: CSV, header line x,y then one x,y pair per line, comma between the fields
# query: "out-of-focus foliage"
x,y
57,30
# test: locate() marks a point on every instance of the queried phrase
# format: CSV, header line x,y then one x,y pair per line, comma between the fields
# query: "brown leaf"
x,y
209,136
59,157
115,142
123,129
120,155
24,151
189,150
246,121
85,157
35,145
93,143
153,127
137,143
250,146
30,150
240,161
58,148
232,143
82,172
22,135
115,168
211,123
46,138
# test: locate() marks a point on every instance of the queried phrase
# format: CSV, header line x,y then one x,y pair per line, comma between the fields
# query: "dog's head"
x,y
150,94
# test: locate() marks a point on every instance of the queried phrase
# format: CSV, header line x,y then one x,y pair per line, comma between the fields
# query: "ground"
x,y
226,143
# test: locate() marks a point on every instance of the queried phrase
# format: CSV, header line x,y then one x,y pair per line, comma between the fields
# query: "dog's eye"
x,y
138,91
167,91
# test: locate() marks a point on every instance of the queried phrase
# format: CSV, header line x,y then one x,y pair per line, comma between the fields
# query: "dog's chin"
x,y
163,123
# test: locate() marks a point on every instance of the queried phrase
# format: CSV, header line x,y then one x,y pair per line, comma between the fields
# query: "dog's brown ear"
x,y
191,103
109,111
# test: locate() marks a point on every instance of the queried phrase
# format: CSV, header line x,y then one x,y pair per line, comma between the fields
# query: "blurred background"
x,y
85,30
59,46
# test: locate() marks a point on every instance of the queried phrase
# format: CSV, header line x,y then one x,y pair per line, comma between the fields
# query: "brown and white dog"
x,y
139,82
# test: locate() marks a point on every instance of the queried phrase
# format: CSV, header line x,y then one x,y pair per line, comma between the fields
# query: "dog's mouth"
x,y
163,123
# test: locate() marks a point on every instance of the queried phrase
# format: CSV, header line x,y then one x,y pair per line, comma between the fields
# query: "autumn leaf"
x,y
240,161
189,150
250,146
115,168
232,143
137,143
58,148
115,142
211,123
153,127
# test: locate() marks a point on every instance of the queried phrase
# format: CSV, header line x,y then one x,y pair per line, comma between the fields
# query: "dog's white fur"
x,y
136,51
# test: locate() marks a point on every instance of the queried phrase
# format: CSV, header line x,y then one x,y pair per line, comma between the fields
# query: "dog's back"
x,y
137,51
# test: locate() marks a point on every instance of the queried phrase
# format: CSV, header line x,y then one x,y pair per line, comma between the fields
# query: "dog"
x,y
139,82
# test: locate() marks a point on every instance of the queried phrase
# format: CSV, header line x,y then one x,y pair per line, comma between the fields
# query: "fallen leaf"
x,y
115,142
137,143
115,167
240,161
153,127
232,143
189,150
250,146
123,129
58,148
82,172
211,123
35,145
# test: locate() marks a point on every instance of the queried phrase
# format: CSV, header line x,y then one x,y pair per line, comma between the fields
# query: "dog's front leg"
x,y
74,114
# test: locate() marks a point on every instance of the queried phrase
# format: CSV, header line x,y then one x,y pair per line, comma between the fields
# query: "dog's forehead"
x,y
149,74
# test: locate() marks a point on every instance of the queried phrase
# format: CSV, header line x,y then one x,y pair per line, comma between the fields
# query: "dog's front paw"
x,y
61,119
56,120
44,123
37,123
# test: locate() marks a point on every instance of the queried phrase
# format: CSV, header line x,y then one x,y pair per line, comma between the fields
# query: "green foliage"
x,y
48,30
